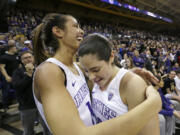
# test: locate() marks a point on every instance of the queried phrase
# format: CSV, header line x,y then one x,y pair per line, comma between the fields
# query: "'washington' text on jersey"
x,y
105,111
81,94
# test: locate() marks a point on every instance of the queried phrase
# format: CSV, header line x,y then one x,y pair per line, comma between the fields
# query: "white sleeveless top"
x,y
78,89
107,104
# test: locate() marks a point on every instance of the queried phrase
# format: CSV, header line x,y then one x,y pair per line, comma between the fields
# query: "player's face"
x,y
73,34
98,71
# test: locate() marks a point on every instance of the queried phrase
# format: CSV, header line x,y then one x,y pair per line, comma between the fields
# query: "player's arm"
x,y
146,75
62,115
134,88
168,90
60,111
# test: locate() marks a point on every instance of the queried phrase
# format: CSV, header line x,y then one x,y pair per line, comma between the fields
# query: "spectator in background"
x,y
137,60
20,41
154,64
176,67
169,89
11,42
169,83
178,55
11,60
155,56
22,83
2,48
162,71
28,45
122,49
168,112
3,44
177,80
148,61
160,60
9,63
167,62
117,58
126,62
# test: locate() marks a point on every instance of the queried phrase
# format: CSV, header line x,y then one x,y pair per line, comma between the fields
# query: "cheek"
x,y
72,33
105,73
30,60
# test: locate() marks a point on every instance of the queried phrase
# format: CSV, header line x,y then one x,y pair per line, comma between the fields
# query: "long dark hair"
x,y
45,43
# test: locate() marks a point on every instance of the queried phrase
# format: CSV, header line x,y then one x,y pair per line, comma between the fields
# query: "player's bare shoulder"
x,y
128,78
47,71
131,81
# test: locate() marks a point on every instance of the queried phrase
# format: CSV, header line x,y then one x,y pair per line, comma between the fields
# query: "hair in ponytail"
x,y
45,43
39,53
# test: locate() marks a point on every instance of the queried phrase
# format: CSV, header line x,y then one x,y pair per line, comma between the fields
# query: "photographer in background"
x,y
22,83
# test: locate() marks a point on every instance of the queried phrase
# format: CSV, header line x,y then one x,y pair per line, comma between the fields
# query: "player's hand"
x,y
146,75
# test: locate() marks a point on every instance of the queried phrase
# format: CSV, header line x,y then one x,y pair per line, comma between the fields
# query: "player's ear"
x,y
112,56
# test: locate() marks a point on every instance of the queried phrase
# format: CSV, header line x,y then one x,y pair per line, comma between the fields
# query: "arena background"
x,y
105,12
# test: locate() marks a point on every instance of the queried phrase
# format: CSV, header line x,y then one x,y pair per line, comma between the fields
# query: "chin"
x,y
75,45
101,84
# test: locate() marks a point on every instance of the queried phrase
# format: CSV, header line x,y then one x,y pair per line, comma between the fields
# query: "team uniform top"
x,y
107,104
77,87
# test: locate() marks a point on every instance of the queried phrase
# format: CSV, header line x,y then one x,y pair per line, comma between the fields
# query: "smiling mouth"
x,y
79,38
97,81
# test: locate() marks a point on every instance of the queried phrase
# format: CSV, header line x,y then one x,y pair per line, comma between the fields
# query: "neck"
x,y
171,78
114,71
65,55
9,52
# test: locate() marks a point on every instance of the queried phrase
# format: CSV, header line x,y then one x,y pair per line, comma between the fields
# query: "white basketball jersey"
x,y
78,89
107,104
